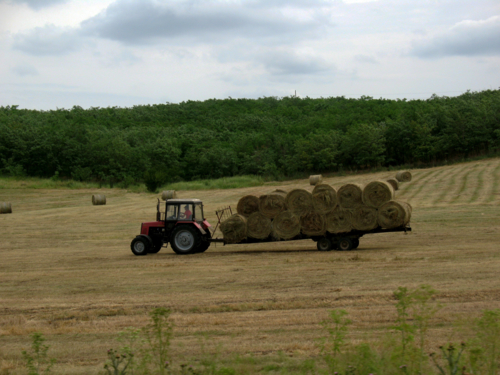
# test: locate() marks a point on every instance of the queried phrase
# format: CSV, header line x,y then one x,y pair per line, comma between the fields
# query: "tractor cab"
x,y
180,210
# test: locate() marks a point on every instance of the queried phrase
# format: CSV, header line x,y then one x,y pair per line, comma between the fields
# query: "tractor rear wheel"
x,y
185,239
140,245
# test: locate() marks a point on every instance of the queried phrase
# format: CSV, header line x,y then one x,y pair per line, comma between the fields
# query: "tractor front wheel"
x,y
185,239
156,247
140,245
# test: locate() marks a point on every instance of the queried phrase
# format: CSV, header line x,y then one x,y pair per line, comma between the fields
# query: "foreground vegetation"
x,y
275,137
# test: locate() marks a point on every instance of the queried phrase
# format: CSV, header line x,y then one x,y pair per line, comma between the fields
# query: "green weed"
x,y
37,360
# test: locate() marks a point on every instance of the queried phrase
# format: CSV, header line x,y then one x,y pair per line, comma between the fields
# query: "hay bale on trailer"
x,y
313,224
286,226
315,179
272,204
403,176
364,218
324,198
234,229
394,214
5,208
247,205
394,183
98,199
350,195
259,226
338,221
299,202
376,193
168,194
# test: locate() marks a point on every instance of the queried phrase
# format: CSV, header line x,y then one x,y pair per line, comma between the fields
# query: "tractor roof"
x,y
181,201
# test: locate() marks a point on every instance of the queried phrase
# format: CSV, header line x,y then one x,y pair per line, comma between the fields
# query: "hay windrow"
x,y
315,179
98,199
247,205
403,176
272,204
350,195
313,224
286,226
394,183
364,218
168,194
376,193
299,202
5,208
338,221
234,229
324,198
394,214
258,226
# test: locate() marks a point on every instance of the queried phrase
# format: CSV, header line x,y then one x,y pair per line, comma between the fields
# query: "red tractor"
x,y
181,224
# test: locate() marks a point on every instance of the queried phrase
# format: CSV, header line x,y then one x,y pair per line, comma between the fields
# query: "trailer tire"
x,y
324,244
345,244
185,239
355,243
140,245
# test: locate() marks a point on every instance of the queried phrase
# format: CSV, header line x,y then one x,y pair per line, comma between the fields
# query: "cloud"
x,y
287,62
48,40
365,59
466,38
25,70
35,4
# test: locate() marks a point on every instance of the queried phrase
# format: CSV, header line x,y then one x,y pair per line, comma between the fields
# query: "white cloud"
x,y
48,40
25,70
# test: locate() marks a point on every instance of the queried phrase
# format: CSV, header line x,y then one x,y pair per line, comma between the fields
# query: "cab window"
x,y
186,212
198,212
172,212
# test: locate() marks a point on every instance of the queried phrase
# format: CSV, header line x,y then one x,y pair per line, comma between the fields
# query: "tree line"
x,y
269,136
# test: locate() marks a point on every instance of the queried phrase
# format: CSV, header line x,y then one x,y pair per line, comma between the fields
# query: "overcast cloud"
x,y
154,51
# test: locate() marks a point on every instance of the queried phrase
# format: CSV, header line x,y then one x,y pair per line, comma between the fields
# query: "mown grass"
x,y
220,183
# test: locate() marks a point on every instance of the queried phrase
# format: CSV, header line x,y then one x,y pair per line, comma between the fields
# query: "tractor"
x,y
179,222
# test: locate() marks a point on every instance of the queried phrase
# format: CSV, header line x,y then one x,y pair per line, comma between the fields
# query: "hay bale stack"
x,y
394,214
272,204
350,196
364,218
5,208
286,226
168,194
403,176
234,229
259,226
315,179
299,202
338,221
376,193
394,183
98,199
247,205
324,198
313,224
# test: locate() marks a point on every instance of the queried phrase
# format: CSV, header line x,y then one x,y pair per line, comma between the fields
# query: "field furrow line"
x,y
467,184
409,186
495,184
483,184
427,185
449,185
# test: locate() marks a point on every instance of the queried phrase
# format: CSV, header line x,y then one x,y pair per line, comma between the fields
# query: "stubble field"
x,y
66,270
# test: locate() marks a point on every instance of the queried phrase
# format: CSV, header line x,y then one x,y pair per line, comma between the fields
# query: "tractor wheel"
x,y
355,243
203,247
156,247
185,239
140,245
345,244
324,244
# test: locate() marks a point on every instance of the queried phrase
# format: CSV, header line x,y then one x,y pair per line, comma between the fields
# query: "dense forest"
x,y
268,136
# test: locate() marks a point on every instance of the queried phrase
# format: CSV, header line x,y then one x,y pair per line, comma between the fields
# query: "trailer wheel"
x,y
355,243
140,245
324,244
185,239
345,244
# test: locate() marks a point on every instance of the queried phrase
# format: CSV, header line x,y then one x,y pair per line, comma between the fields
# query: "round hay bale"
x,y
259,226
98,199
394,183
234,229
272,204
313,224
315,179
376,193
350,195
394,214
286,226
299,202
403,176
247,205
338,221
168,194
324,198
281,191
364,218
5,208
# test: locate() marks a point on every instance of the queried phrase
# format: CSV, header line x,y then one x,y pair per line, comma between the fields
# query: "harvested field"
x,y
67,271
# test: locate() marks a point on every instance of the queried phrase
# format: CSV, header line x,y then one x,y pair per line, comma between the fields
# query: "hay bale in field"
x,y
394,183
286,226
338,221
5,208
259,226
315,179
281,191
247,205
364,218
403,176
313,224
234,229
98,199
299,202
272,204
350,195
168,194
394,214
324,198
376,193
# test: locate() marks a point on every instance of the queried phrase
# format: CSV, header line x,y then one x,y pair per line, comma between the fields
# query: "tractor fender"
x,y
200,228
146,237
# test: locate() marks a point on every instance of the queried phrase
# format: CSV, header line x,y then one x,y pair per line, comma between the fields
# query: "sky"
x,y
105,53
